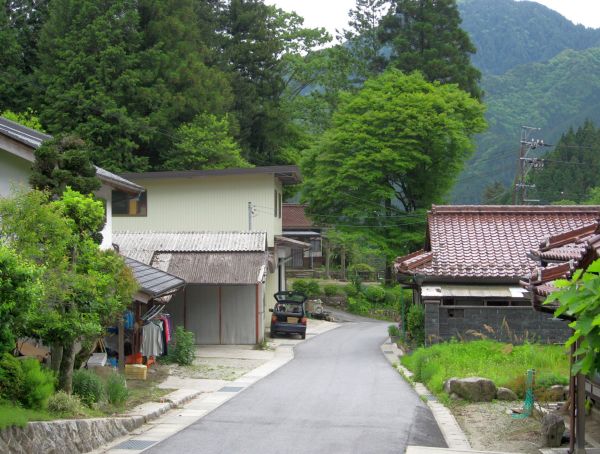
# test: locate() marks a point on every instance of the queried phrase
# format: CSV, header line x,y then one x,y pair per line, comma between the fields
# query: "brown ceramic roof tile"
x,y
294,217
575,248
491,241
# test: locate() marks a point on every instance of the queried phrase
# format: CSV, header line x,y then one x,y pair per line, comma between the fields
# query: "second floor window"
x,y
124,204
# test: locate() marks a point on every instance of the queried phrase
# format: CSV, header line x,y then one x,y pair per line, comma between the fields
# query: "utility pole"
x,y
250,213
525,164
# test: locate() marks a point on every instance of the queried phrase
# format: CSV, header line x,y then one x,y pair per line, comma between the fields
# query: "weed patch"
x,y
505,364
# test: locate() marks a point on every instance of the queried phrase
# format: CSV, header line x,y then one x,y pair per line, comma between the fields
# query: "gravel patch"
x,y
217,368
489,427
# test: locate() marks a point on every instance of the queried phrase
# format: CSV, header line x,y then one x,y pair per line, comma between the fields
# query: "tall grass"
x,y
504,364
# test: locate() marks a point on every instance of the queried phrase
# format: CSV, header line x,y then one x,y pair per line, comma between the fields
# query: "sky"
x,y
333,14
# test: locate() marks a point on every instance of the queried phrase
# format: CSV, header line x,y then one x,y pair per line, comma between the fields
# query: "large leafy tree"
x,y
394,148
425,35
85,289
205,143
20,290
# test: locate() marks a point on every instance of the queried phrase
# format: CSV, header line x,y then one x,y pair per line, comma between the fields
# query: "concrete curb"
x,y
453,435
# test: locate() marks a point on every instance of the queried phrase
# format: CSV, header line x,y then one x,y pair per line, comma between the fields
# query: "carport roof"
x,y
234,268
153,282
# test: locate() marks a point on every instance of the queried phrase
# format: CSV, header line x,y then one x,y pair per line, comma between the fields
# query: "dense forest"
x,y
538,70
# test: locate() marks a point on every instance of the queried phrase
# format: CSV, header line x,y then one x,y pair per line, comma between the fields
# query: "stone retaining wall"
x,y
65,436
77,436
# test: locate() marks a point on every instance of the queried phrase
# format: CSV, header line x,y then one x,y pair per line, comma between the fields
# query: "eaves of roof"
x,y
287,174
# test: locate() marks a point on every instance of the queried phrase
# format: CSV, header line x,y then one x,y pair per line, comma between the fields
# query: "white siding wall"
x,y
213,203
14,171
105,193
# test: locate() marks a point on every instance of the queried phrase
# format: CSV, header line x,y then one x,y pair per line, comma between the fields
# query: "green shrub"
x,y
183,352
375,294
358,305
415,324
116,390
332,290
65,404
88,386
11,378
361,268
548,379
350,289
393,331
38,384
310,288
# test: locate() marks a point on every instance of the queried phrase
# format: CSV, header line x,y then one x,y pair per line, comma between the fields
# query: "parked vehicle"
x,y
289,314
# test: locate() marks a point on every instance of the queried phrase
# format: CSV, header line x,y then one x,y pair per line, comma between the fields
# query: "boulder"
x,y
474,389
506,394
553,427
448,385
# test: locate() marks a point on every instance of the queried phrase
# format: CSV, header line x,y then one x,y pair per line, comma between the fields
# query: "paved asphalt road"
x,y
338,395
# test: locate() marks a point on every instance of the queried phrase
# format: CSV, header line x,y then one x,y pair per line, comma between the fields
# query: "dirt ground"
x,y
489,427
216,368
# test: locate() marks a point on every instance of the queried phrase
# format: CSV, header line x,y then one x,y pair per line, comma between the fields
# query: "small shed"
x,y
224,299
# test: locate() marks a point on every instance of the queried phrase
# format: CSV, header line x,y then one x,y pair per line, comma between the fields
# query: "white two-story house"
x,y
221,231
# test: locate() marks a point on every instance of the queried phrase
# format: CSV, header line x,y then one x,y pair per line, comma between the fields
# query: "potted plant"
x,y
394,333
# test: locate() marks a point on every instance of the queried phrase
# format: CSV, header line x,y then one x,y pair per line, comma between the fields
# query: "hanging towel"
x,y
152,344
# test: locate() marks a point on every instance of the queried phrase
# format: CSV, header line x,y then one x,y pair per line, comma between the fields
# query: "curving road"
x,y
338,395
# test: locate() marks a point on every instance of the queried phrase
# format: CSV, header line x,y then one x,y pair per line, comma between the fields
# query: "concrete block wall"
x,y
507,324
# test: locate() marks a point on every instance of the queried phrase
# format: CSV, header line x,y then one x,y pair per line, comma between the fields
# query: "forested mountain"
x,y
508,33
539,69
553,96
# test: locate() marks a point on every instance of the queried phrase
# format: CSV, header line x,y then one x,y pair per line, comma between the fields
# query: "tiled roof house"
x,y
298,226
468,273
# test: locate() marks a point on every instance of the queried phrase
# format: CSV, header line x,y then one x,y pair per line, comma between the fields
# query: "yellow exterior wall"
x,y
208,203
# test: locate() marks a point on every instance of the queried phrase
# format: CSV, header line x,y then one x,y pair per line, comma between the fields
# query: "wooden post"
x,y
327,260
121,344
580,431
572,401
185,307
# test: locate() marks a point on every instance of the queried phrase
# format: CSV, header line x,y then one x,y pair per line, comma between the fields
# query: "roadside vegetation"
x,y
505,364
369,299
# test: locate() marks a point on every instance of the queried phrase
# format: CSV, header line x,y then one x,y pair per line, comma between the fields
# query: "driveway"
x,y
339,395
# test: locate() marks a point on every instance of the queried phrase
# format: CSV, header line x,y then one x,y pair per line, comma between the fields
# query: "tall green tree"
x,y
63,162
205,143
571,169
394,148
181,64
89,72
362,38
11,63
259,42
425,35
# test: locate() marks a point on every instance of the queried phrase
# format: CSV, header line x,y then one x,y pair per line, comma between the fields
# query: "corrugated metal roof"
x,y
153,282
34,139
142,245
214,267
